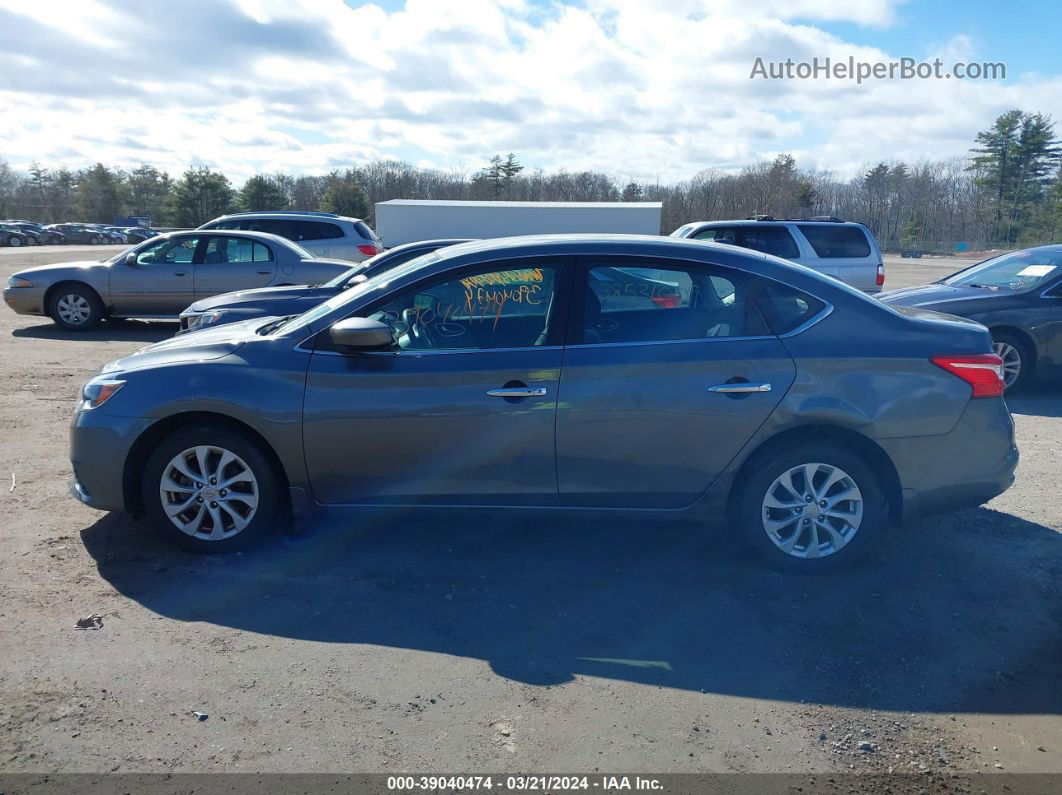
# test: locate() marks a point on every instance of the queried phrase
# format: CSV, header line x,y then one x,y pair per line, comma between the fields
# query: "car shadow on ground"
x,y
1042,399
109,330
959,613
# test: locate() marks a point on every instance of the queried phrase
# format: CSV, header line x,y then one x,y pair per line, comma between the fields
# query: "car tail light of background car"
x,y
880,281
666,301
369,249
982,371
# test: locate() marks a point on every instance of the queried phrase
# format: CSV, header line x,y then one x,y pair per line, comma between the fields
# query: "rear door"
x,y
845,251
666,376
233,263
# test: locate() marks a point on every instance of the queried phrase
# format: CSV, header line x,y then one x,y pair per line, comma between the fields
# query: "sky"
x,y
642,89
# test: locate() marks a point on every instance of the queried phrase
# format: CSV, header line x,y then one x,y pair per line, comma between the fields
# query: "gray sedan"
x,y
794,411
163,275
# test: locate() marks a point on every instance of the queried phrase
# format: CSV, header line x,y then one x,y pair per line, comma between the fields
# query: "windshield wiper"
x,y
269,328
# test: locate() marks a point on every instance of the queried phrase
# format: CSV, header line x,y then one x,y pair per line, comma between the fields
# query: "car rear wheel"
x,y
93,240
14,241
211,489
75,307
809,509
1017,363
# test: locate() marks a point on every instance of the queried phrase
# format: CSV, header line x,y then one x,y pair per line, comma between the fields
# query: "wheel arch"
x,y
68,282
156,432
845,438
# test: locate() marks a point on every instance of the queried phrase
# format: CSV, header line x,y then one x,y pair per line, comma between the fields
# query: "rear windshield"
x,y
836,242
363,230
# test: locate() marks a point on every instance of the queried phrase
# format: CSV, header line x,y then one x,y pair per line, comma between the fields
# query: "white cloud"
x,y
639,88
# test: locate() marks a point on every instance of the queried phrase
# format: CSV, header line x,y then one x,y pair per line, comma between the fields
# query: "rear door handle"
x,y
739,389
518,392
264,273
180,273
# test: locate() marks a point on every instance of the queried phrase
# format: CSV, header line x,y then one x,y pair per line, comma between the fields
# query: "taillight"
x,y
665,301
982,371
881,275
369,250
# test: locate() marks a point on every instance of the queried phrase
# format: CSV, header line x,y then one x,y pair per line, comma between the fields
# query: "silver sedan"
x,y
161,276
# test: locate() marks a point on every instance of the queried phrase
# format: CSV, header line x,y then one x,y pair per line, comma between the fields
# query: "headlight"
x,y
98,391
15,281
203,320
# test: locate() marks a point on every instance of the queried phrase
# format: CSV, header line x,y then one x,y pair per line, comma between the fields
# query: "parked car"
x,y
1018,296
32,233
80,233
138,234
294,300
841,249
118,235
39,234
494,373
161,276
13,236
325,234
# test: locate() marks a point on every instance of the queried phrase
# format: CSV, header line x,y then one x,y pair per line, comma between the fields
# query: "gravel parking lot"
x,y
508,642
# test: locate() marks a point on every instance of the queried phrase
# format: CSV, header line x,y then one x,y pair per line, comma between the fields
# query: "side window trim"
x,y
555,332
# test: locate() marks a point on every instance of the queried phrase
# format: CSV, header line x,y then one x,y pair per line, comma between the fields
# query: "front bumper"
x,y
99,449
966,467
25,300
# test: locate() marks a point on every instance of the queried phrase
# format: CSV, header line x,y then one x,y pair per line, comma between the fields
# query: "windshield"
x,y
380,281
1017,271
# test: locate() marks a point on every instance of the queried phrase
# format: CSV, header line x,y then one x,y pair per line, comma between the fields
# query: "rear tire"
x,y
75,307
184,492
14,242
94,240
1017,359
813,508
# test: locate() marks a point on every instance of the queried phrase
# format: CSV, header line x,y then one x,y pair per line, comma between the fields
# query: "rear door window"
x,y
836,241
313,230
774,240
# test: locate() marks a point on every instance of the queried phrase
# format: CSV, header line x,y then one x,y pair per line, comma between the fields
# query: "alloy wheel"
x,y
15,242
1011,357
74,309
209,493
812,510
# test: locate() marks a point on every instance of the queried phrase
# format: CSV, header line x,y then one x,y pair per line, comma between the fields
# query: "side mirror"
x,y
130,259
360,332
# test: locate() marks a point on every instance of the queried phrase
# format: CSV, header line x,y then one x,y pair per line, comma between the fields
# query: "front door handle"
x,y
518,392
739,389
180,273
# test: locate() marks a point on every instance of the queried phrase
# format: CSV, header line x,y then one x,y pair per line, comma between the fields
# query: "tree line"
x,y
1005,192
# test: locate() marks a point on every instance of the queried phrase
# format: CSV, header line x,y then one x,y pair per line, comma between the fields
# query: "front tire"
x,y
211,489
75,307
1017,361
14,242
814,508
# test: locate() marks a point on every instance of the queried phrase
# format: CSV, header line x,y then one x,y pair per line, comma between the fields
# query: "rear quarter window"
x,y
363,230
836,242
785,308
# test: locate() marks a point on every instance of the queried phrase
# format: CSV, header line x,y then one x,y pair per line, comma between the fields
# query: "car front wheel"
x,y
812,508
211,489
14,242
75,307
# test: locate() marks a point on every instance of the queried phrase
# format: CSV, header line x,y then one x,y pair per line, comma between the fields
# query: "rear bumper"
x,y
965,467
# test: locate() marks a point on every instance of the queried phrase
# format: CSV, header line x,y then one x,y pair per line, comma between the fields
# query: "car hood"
x,y
253,295
61,269
198,346
933,295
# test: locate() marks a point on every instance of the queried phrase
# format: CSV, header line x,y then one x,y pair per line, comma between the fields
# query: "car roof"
x,y
304,216
776,221
265,237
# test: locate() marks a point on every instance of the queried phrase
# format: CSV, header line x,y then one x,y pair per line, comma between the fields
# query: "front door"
x,y
669,372
159,282
461,410
233,263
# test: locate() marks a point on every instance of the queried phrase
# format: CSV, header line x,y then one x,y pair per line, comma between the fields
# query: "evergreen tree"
x,y
262,193
200,195
100,194
343,195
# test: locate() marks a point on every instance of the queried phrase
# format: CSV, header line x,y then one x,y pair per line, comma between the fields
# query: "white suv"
x,y
842,249
322,234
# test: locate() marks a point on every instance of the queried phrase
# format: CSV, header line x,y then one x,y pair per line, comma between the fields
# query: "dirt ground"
x,y
505,642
